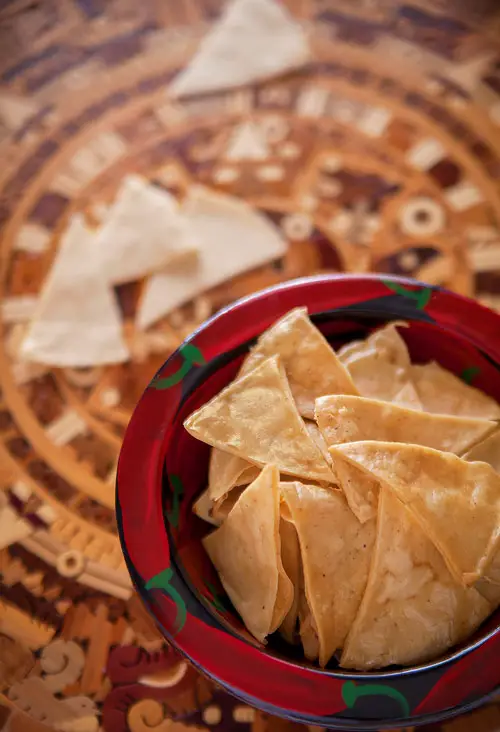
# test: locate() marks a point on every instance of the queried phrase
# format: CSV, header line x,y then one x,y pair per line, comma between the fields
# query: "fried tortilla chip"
x,y
318,439
310,363
380,366
290,556
447,496
413,609
225,471
486,451
216,512
351,419
336,551
245,551
360,490
442,392
255,418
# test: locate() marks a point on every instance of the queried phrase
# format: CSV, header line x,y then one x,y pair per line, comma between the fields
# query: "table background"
x,y
384,156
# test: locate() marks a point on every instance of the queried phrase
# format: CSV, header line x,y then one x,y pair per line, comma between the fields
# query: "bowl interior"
x,y
186,460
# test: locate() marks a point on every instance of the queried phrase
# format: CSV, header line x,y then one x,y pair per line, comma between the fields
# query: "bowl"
x,y
162,470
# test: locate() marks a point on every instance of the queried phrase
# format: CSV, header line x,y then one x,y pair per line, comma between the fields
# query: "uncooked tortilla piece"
x,y
380,367
351,419
77,322
254,40
142,233
336,551
413,609
255,418
232,238
442,392
447,496
225,471
245,551
310,363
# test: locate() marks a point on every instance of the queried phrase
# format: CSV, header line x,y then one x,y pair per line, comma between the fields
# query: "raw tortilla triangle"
x,y
441,391
225,471
447,495
310,363
245,551
247,142
380,366
77,322
352,418
255,418
254,40
412,609
231,237
336,551
143,232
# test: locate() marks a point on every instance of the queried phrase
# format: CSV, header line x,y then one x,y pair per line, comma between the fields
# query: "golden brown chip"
x,y
245,550
442,392
447,495
310,363
216,512
225,471
360,489
290,556
351,419
413,609
255,418
336,551
486,451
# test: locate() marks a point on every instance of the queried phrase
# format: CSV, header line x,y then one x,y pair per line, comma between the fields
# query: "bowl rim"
x,y
340,674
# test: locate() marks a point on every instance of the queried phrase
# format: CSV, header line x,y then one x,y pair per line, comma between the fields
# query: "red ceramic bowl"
x,y
162,470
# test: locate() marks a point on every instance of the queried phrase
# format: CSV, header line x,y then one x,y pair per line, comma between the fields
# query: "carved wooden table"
x,y
384,157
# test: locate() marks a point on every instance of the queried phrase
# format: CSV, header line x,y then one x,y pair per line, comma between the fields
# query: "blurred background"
x,y
383,155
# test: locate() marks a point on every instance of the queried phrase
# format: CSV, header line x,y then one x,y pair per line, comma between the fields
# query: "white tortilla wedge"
x,y
142,233
442,392
310,363
413,609
231,237
77,322
255,418
254,40
245,550
336,551
447,495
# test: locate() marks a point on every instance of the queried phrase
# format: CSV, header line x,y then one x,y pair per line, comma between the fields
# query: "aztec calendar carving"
x,y
383,155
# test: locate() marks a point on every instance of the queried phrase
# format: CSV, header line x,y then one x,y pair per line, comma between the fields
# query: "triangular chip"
x,y
290,556
142,233
232,238
380,366
336,551
247,142
360,489
407,397
486,451
351,419
245,551
318,439
77,322
253,40
447,495
442,392
215,513
413,609
225,471
311,365
255,418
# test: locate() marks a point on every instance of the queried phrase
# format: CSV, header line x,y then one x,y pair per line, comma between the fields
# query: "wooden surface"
x,y
385,157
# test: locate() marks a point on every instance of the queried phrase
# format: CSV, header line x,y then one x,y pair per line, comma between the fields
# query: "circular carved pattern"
x,y
371,163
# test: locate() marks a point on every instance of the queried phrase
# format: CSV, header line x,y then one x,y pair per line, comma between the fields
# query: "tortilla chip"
x,y
216,512
245,551
413,609
360,490
290,556
307,628
225,471
487,451
255,418
143,232
318,439
446,494
310,363
232,238
77,322
407,397
336,551
442,392
254,40
351,419
380,366
202,508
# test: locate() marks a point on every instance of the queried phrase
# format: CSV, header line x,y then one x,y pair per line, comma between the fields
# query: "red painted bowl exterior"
x,y
162,469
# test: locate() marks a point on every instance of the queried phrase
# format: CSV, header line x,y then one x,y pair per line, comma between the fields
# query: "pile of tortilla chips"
x,y
356,496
